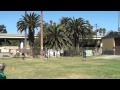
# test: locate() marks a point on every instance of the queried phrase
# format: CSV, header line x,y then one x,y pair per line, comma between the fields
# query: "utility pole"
x,y
41,25
25,33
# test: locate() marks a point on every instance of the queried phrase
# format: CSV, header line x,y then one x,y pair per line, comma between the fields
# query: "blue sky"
x,y
104,19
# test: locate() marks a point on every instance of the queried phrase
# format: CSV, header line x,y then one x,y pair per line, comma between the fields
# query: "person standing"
x,y
2,68
84,56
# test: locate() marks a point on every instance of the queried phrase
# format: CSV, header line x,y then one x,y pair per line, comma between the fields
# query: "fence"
x,y
74,52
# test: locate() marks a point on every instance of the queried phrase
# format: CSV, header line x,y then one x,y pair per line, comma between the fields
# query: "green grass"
x,y
62,68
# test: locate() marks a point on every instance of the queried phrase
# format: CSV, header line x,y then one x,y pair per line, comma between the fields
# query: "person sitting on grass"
x,y
2,68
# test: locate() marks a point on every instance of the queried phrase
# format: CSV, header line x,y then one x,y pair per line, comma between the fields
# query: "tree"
x,y
56,37
64,20
3,29
79,28
102,31
38,39
36,46
13,43
41,26
25,33
30,22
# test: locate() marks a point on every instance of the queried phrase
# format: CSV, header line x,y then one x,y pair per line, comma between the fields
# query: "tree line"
x,y
69,33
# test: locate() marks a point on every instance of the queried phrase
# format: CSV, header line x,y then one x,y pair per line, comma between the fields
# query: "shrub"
x,y
17,55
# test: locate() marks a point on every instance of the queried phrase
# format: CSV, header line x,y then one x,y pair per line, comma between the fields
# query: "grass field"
x,y
62,68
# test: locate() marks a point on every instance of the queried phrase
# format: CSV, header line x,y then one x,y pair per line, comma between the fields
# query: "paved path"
x,y
108,57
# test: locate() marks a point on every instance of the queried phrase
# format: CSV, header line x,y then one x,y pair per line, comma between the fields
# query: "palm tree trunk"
x,y
78,45
33,53
41,33
78,48
25,34
75,43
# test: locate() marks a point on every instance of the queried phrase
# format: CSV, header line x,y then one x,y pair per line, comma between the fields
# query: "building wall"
x,y
108,45
11,49
117,50
117,41
8,51
117,46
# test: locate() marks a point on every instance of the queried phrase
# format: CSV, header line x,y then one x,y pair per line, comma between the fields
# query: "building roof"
x,y
112,35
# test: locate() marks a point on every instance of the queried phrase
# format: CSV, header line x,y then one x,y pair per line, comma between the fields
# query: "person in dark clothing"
x,y
2,68
46,55
23,56
84,56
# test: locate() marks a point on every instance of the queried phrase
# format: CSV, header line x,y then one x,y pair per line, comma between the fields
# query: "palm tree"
x,y
64,23
100,31
25,33
37,45
64,20
79,28
41,33
56,37
30,22
104,31
51,22
3,29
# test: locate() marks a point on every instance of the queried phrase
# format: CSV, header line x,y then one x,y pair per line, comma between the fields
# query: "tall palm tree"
x,y
37,45
56,37
30,22
100,31
64,23
51,22
104,31
3,29
79,28
41,33
25,32
64,20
